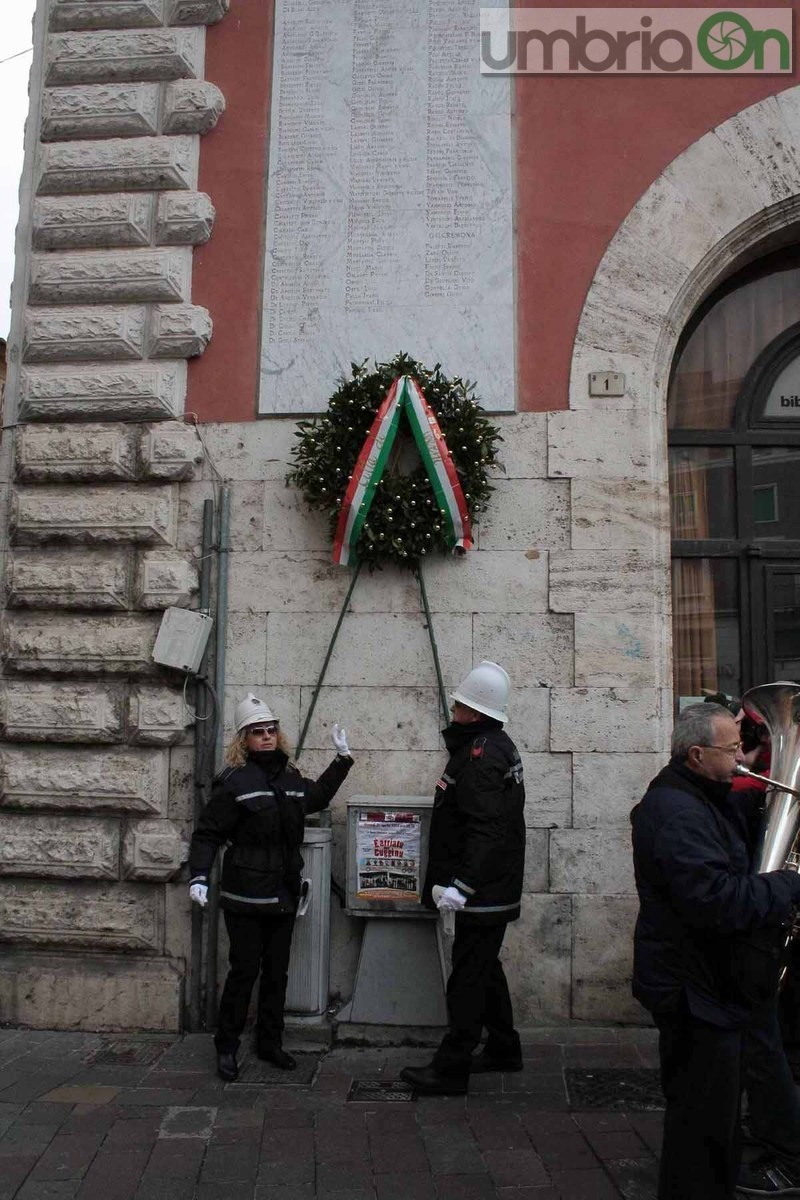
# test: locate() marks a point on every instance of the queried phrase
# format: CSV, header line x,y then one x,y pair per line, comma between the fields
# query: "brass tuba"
x,y
777,705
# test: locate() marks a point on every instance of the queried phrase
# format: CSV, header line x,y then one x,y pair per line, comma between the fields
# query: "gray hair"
x,y
694,726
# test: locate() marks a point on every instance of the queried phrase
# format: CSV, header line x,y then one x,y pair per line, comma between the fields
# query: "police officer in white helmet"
x,y
258,806
475,865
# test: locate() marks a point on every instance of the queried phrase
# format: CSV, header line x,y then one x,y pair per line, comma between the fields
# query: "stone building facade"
x,y
104,482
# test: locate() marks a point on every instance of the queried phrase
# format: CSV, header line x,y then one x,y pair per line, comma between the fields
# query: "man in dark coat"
x,y
475,865
706,950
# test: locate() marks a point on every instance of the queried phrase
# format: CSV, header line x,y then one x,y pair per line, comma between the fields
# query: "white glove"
x,y
451,899
339,736
199,893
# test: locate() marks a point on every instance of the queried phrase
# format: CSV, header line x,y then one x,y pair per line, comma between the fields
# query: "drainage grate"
x,y
634,1088
382,1090
128,1054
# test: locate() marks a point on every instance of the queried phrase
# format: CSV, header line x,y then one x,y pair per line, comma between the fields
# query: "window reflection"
x,y
702,492
705,627
786,623
776,492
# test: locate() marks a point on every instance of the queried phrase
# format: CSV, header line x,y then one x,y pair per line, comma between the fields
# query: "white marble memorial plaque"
x,y
389,201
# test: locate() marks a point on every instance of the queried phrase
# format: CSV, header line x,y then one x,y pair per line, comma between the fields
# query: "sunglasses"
x,y
262,730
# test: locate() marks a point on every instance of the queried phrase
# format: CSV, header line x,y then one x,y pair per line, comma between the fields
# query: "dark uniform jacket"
x,y
709,931
477,839
260,809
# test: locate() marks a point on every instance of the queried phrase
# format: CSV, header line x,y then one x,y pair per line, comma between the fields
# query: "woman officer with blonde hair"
x,y
258,806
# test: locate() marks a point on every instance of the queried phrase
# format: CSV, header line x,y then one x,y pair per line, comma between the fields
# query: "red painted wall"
x,y
587,148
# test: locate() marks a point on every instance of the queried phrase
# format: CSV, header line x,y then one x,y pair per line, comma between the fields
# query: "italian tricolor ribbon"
x,y
403,395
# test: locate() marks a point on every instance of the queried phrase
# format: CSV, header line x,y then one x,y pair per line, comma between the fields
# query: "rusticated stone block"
x,y
123,55
67,645
184,218
122,514
192,106
70,453
61,712
164,580
178,331
67,578
146,392
78,222
114,779
97,277
81,915
153,850
102,110
591,861
196,12
84,334
106,14
96,993
170,452
118,165
540,995
601,982
158,716
59,847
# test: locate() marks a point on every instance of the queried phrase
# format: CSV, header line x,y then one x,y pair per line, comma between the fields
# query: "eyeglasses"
x,y
725,749
262,730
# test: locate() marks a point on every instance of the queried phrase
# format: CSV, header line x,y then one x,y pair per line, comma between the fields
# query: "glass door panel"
x,y
705,628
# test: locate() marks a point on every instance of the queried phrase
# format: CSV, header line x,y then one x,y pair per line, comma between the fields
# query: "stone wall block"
x,y
153,850
530,514
540,995
619,514
178,331
617,581
78,222
618,447
596,861
620,649
196,12
92,993
603,959
184,218
548,792
84,334
90,515
118,165
123,276
61,712
609,719
74,454
114,916
100,111
761,141
46,846
66,645
73,778
192,106
404,719
146,392
488,581
164,580
106,14
68,578
170,452
608,785
536,874
538,649
262,582
157,716
124,55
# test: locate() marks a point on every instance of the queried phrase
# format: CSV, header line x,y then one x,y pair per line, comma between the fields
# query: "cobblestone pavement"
x,y
154,1123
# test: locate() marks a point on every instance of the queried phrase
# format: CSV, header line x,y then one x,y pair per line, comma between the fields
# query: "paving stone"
x,y
287,1173
138,1131
176,1159
528,1193
165,1189
405,1186
400,1153
277,1147
564,1151
650,1128
618,1144
298,1191
68,1156
340,1177
636,1179
187,1123
465,1187
48,1190
113,1175
238,1162
508,1167
584,1185
81,1094
13,1170
225,1191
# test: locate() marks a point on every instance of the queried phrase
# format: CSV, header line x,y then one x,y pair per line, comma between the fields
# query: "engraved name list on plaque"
x,y
389,199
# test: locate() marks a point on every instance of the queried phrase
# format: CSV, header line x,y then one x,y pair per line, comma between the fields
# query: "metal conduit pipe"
x,y
223,551
201,763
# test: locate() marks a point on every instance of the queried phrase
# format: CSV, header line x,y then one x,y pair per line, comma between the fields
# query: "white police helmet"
x,y
485,689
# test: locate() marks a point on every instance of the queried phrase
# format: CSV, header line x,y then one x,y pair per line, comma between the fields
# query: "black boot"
x,y
227,1066
430,1082
278,1057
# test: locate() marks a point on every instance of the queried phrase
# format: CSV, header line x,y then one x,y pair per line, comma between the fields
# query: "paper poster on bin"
x,y
388,855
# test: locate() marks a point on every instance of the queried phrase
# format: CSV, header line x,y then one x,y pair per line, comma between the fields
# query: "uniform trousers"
x,y
257,944
773,1100
477,999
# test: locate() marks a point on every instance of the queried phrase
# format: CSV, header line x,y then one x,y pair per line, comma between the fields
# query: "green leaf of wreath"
x,y
404,523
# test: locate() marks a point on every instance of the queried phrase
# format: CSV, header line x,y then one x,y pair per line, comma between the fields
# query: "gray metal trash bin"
x,y
307,991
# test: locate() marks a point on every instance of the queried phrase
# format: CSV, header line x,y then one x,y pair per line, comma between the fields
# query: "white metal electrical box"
x,y
182,638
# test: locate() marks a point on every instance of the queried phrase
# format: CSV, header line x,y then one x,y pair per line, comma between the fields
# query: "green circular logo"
x,y
725,40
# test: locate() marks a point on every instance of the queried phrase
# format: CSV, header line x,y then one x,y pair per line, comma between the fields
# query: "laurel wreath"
x,y
404,523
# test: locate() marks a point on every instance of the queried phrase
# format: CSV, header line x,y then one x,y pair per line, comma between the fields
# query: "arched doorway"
x,y
734,455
